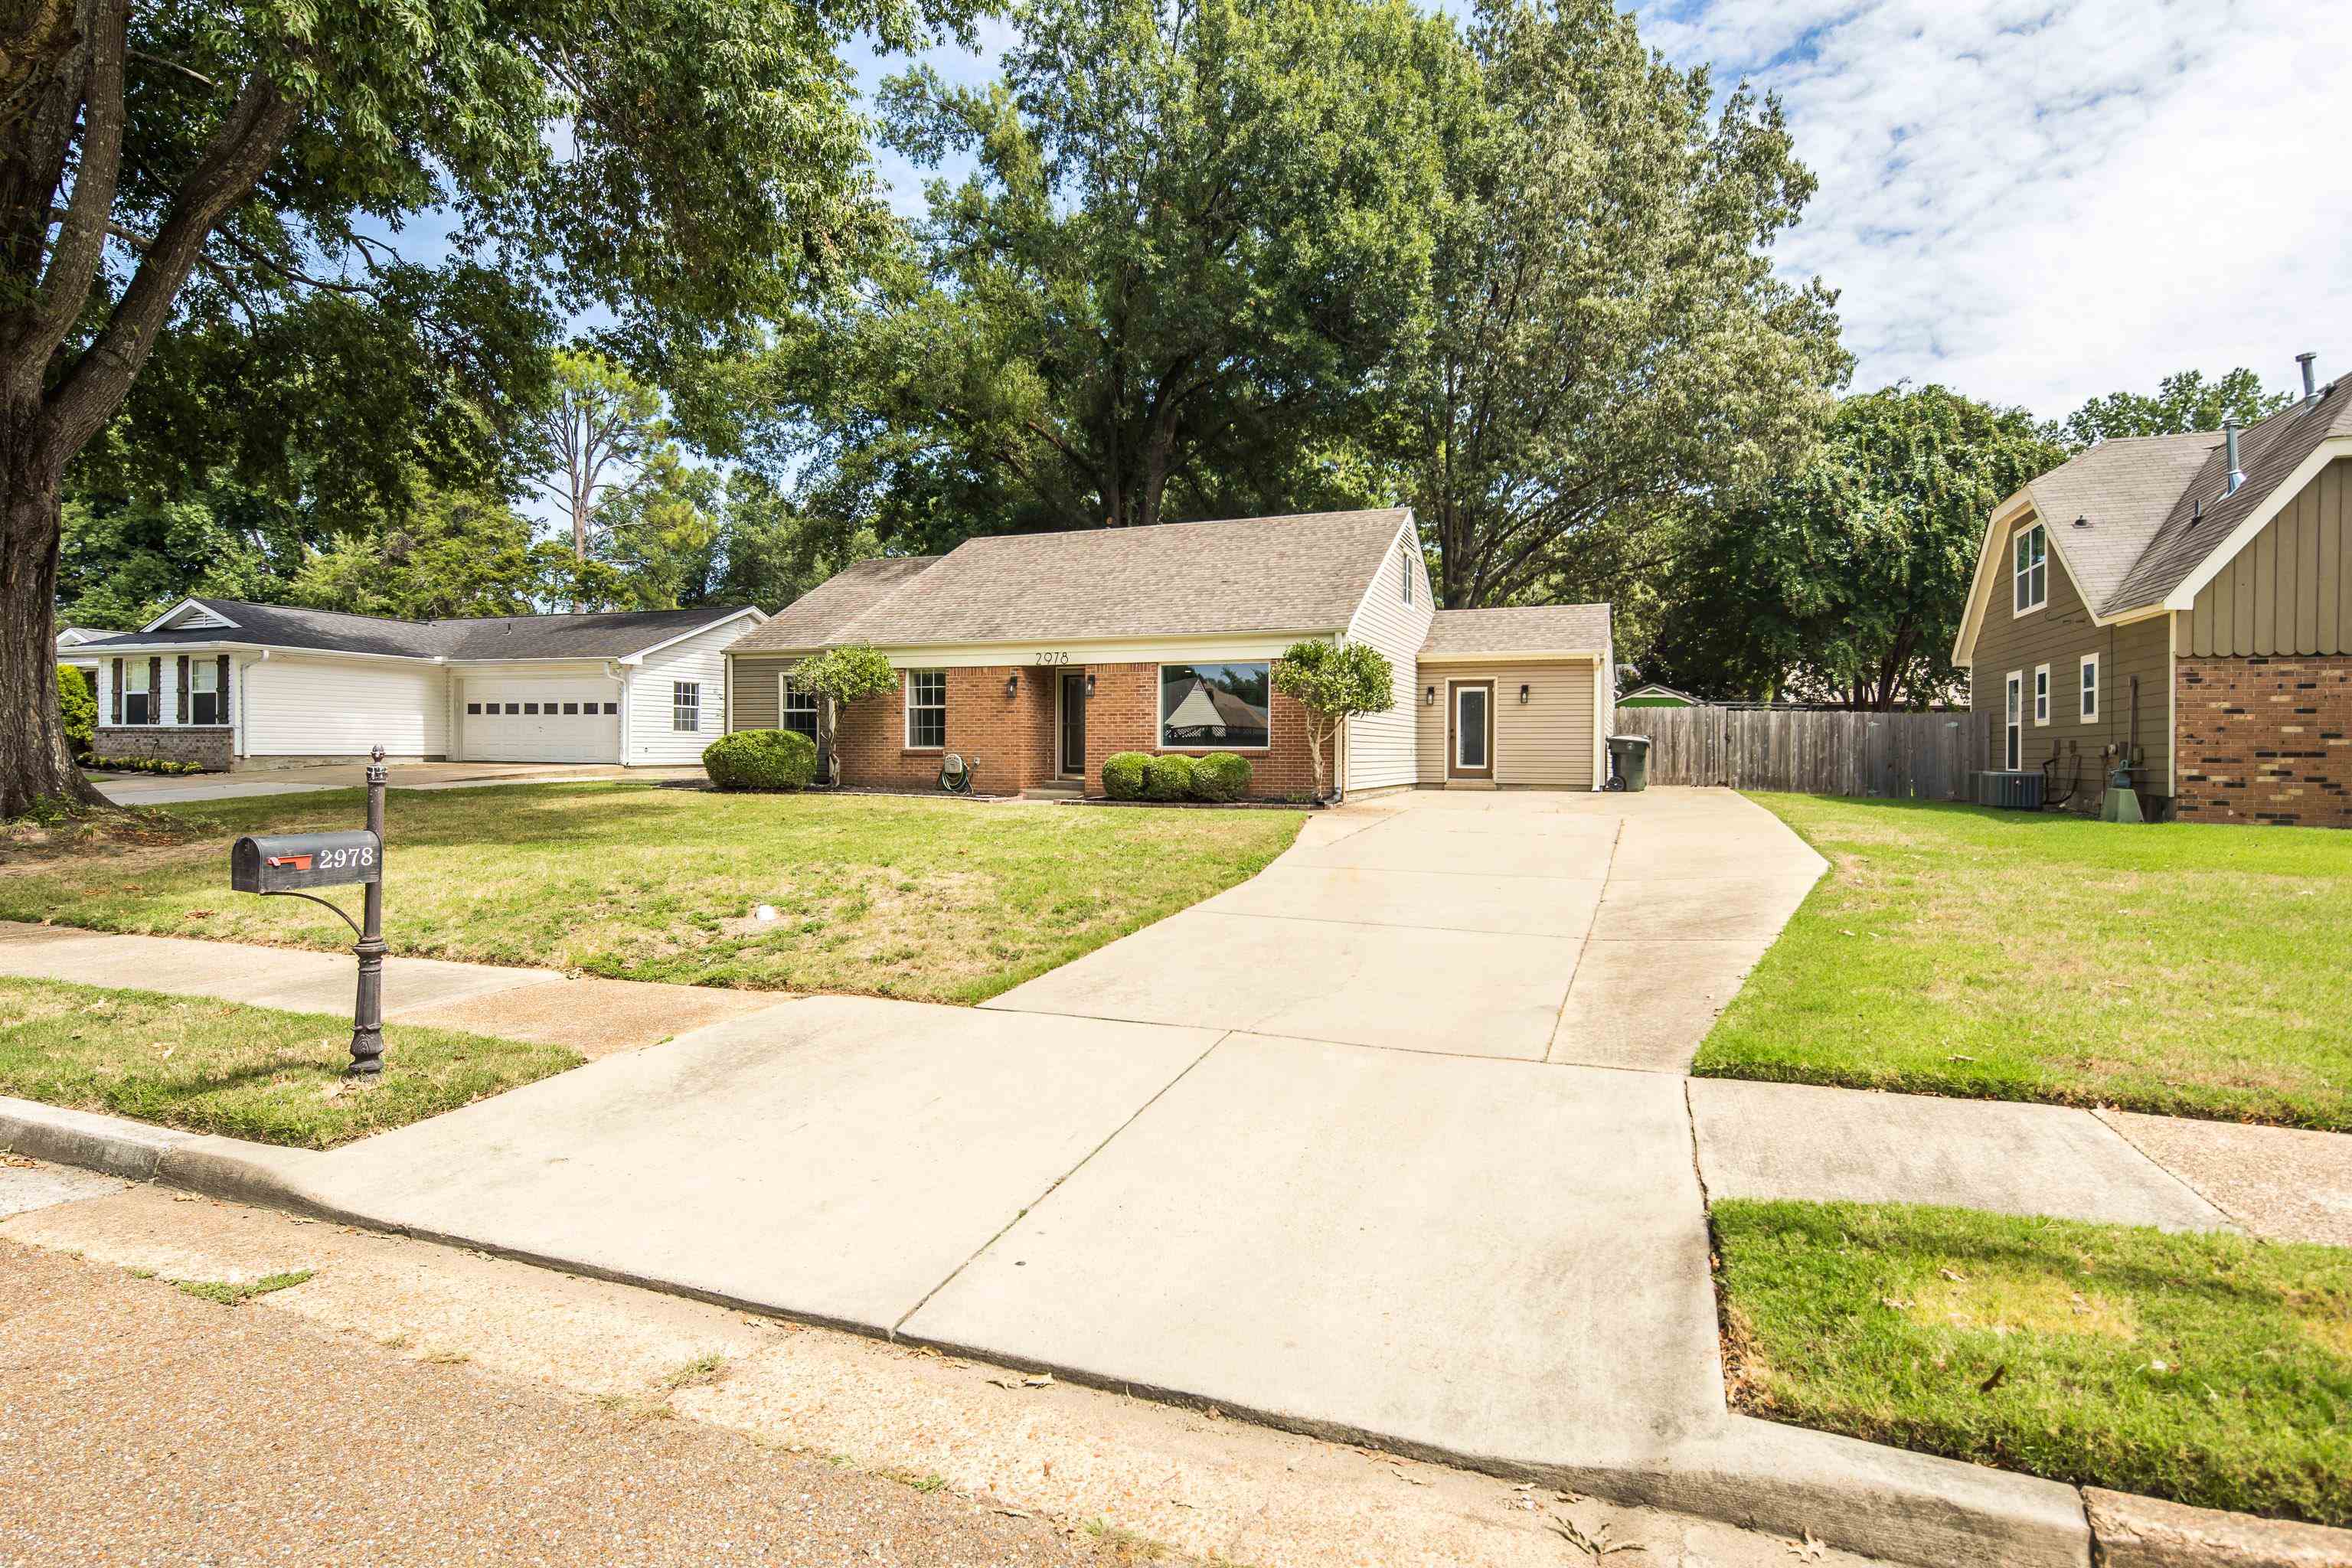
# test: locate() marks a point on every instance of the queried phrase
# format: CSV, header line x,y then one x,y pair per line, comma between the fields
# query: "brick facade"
x,y
208,746
1010,741
2264,739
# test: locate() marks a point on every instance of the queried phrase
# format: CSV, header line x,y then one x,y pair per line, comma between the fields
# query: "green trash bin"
x,y
1628,760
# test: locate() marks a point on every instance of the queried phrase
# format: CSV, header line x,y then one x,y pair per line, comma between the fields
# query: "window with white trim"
x,y
2031,562
138,692
203,692
1215,707
2090,687
2013,721
797,709
927,710
2041,694
685,705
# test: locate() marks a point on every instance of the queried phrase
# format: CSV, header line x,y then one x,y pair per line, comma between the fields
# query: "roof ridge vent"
x,y
2230,439
2310,378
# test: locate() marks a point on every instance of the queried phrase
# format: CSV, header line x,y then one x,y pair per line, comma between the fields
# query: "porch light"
x,y
1523,696
1090,688
1429,697
1012,687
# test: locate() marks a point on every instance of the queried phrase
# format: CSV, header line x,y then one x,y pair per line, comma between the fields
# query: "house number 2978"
x,y
1053,658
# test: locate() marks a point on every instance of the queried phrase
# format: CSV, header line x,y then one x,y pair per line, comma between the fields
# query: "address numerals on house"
x,y
1053,658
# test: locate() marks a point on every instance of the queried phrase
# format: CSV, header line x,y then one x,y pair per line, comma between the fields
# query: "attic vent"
x,y
2082,521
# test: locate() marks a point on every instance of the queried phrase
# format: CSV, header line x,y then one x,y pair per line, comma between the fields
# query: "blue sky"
x,y
2038,201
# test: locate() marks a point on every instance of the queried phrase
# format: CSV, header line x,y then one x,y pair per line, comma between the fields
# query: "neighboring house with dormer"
x,y
2182,604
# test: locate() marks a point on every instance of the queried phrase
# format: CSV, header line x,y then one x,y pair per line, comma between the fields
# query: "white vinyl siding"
x,y
1545,743
298,707
1378,752
651,707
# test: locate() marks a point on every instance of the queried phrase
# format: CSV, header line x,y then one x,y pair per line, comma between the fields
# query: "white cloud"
x,y
2037,201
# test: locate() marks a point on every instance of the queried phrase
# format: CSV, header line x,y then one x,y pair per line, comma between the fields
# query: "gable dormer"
x,y
189,616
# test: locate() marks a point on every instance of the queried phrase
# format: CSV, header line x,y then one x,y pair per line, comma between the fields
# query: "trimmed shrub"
x,y
1168,778
761,759
140,766
1123,775
78,708
1221,775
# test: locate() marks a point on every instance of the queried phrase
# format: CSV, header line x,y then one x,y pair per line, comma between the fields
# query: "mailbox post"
x,y
285,865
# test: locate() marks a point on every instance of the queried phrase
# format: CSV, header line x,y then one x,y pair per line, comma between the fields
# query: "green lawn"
x,y
2211,1369
245,1072
932,900
2186,970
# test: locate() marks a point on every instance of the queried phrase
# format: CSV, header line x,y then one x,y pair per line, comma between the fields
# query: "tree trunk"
x,y
35,765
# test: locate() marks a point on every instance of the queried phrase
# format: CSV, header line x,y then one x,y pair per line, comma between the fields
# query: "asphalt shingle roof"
x,y
1303,574
811,620
1529,629
601,635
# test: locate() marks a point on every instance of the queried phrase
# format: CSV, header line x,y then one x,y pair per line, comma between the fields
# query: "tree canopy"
x,y
2184,402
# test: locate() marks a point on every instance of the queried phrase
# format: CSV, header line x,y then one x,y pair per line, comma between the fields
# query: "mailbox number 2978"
x,y
344,859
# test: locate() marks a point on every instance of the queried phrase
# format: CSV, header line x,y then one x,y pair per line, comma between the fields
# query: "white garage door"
x,y
542,722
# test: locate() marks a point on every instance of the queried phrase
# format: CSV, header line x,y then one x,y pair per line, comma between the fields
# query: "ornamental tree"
x,y
1334,682
842,676
174,173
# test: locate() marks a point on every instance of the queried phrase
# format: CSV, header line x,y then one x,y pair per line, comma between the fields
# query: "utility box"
x,y
289,862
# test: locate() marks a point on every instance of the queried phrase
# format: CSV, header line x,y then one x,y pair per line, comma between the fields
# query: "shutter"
x,y
182,713
155,689
114,693
220,701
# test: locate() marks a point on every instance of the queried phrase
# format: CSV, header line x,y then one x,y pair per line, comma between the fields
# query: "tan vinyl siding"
x,y
1546,743
2289,591
2059,635
756,689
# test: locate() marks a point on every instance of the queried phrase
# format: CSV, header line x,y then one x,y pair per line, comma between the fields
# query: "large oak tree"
x,y
166,165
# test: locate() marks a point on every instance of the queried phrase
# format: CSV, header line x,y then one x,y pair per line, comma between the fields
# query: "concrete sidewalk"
x,y
144,789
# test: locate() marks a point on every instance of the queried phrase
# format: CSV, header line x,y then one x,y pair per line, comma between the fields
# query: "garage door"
x,y
542,722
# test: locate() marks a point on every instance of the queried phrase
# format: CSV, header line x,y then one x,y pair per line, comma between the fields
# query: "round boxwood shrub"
x,y
761,759
1221,775
1123,775
1168,778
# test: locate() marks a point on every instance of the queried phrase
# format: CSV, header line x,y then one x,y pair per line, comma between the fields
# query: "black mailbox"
x,y
288,862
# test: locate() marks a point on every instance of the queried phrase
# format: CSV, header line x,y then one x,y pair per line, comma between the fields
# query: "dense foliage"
x,y
76,709
761,759
1123,772
1334,682
1168,777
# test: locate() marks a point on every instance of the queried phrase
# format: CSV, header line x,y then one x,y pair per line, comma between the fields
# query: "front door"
x,y
1470,738
1073,754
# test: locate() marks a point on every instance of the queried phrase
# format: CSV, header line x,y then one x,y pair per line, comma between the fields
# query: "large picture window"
x,y
927,710
1214,707
799,708
2033,568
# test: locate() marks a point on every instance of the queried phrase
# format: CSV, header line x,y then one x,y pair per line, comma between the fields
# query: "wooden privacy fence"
x,y
1895,756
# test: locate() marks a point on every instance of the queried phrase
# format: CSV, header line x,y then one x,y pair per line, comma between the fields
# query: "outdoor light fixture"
x,y
1090,689
1012,687
1523,696
1429,697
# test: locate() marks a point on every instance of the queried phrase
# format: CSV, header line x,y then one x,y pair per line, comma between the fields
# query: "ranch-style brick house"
x,y
227,684
2183,602
1036,656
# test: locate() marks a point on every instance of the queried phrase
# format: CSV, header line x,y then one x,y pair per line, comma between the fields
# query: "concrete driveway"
x,y
1352,1147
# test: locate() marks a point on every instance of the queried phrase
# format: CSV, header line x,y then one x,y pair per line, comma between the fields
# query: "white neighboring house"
x,y
69,641
229,685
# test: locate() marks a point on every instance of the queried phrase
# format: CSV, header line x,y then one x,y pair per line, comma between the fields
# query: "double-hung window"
x,y
2032,567
203,692
685,705
927,710
2041,694
1215,707
138,692
2090,688
799,708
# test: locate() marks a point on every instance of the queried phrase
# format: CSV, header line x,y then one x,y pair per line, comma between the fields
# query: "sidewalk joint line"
x,y
1031,1206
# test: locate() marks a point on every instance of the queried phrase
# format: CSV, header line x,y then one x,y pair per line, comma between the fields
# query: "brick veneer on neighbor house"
x,y
208,746
1010,741
2264,739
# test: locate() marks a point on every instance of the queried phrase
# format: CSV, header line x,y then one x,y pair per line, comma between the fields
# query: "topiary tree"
x,y
1168,778
842,676
77,710
1122,775
1334,682
761,759
1221,776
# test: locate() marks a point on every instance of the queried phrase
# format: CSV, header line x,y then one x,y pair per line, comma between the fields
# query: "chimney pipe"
x,y
2310,379
2237,475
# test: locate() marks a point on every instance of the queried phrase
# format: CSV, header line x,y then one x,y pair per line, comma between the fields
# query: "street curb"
x,y
1861,1496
